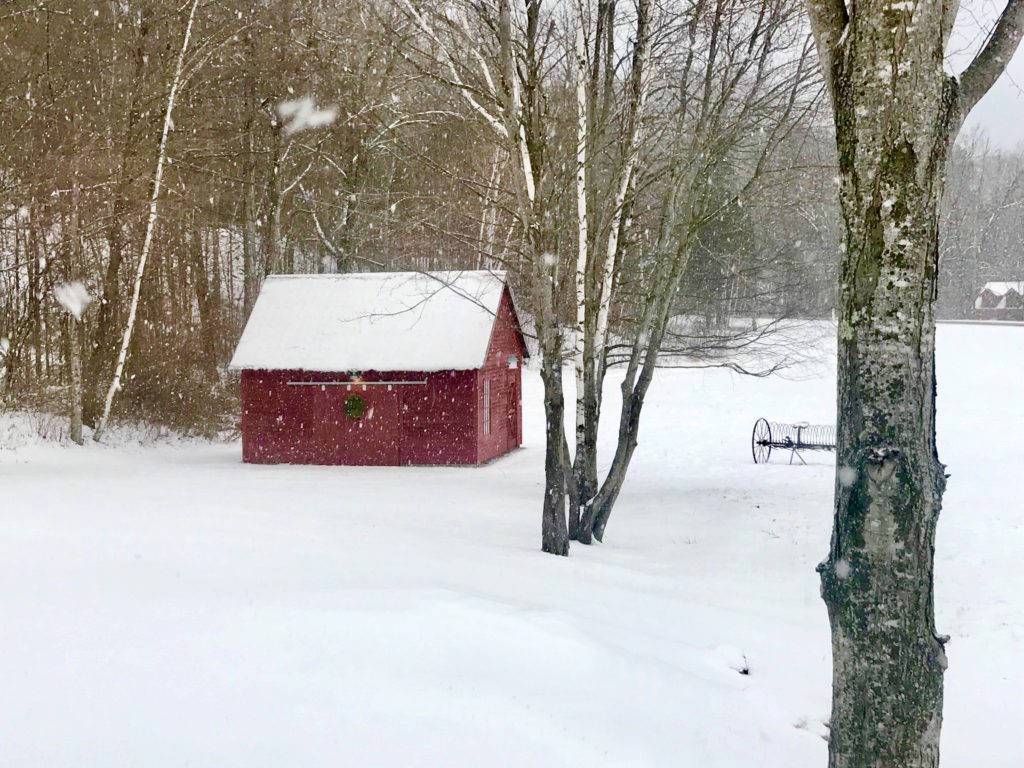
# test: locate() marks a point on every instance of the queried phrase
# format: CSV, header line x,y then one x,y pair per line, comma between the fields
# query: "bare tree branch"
x,y
828,22
992,59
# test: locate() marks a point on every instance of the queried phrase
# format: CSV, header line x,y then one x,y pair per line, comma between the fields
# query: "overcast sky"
x,y
1001,112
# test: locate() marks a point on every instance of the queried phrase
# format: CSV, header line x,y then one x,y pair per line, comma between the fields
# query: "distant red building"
x,y
1000,301
381,368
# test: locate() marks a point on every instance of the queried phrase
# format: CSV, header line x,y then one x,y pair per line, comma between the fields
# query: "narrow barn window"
x,y
487,406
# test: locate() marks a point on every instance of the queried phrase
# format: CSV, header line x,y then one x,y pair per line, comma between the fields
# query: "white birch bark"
x,y
489,214
510,100
147,242
522,145
606,270
582,225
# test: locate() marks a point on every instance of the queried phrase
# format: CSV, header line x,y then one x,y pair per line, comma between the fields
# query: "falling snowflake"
x,y
73,297
301,114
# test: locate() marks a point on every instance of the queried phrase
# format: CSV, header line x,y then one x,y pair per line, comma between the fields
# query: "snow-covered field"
x,y
170,606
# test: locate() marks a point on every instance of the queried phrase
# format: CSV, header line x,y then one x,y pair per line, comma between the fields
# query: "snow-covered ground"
x,y
170,606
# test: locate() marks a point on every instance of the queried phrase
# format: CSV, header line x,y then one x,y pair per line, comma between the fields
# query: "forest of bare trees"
x,y
242,195
409,175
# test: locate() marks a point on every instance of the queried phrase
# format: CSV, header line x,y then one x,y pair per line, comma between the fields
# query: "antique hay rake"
x,y
790,437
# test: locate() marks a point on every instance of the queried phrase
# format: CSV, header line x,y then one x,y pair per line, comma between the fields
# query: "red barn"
x,y
1000,301
381,368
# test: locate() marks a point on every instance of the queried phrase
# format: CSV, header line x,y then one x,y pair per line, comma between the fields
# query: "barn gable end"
x,y
499,386
1000,300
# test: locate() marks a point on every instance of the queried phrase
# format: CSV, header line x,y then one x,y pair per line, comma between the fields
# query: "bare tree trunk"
x,y
249,270
877,580
150,224
896,114
584,480
206,302
635,383
104,337
275,203
75,362
215,281
522,107
74,323
104,344
554,533
35,292
595,276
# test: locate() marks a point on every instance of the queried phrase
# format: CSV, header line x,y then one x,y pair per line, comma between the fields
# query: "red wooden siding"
x,y
505,387
431,423
1008,306
298,417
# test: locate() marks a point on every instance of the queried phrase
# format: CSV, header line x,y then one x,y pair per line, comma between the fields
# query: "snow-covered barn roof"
x,y
383,321
1001,288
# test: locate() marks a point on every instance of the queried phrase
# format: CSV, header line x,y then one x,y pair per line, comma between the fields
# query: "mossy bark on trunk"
x,y
895,113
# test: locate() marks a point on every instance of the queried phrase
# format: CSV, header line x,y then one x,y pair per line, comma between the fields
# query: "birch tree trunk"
x,y
896,114
523,112
594,281
637,379
585,480
147,243
706,138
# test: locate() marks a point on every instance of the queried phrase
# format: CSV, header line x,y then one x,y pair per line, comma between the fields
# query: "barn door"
x,y
371,424
327,444
357,424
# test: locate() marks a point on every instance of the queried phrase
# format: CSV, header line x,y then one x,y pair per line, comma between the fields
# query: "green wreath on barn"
x,y
355,407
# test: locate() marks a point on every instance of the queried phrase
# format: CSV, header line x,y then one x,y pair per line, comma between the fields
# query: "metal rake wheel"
x,y
761,441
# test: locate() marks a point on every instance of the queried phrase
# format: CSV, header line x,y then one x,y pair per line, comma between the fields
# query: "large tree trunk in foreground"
x,y
888,661
896,113
877,580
